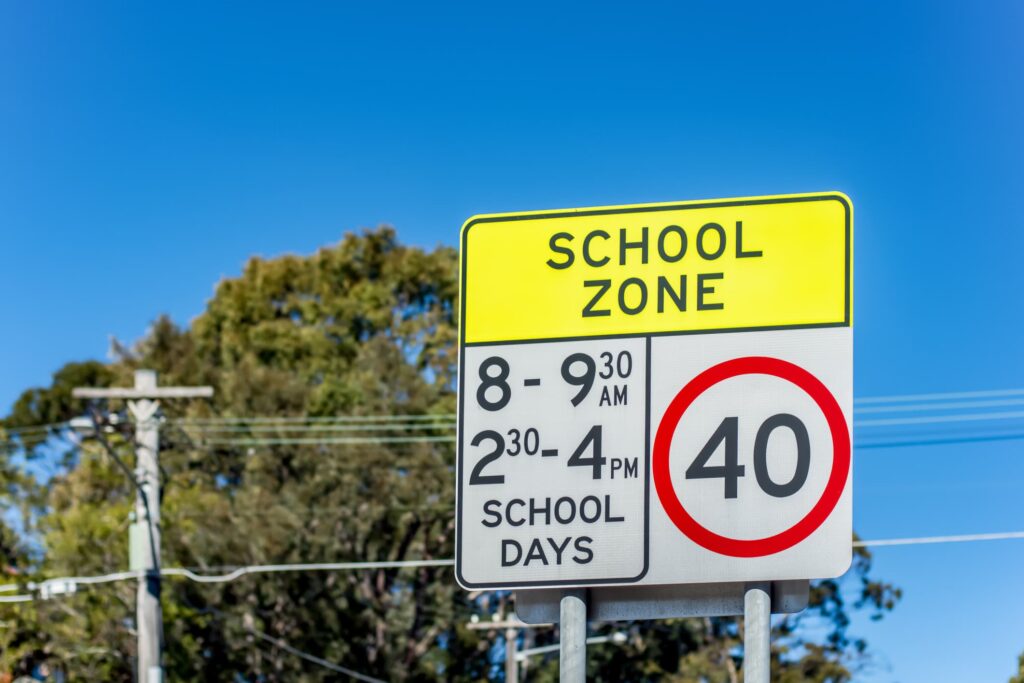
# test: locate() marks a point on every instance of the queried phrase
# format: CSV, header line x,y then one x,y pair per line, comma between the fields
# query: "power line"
x,y
313,658
33,429
938,419
308,441
314,567
925,441
955,405
239,572
876,404
938,396
337,419
926,540
319,429
236,573
47,425
860,443
346,427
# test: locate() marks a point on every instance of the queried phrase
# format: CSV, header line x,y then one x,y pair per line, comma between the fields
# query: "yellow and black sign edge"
x,y
832,195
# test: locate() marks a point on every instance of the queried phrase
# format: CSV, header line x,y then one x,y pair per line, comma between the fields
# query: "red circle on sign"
x,y
759,547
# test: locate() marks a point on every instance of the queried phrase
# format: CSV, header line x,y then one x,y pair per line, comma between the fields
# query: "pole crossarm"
x,y
135,393
505,623
617,638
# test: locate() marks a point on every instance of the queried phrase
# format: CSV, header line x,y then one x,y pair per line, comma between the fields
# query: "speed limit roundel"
x,y
726,433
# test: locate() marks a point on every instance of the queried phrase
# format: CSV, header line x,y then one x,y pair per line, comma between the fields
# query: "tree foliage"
x,y
1019,676
367,327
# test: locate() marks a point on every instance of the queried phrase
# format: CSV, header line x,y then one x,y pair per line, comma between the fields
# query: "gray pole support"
x,y
148,615
511,665
572,625
757,637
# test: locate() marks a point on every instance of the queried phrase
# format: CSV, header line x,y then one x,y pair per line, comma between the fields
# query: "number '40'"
x,y
728,432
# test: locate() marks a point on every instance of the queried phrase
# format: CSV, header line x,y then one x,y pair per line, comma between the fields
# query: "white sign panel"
x,y
560,490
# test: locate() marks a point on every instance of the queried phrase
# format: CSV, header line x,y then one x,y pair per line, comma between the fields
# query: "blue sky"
x,y
147,151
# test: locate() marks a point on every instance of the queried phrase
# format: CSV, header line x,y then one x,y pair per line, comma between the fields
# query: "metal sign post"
x,y
757,642
572,625
655,395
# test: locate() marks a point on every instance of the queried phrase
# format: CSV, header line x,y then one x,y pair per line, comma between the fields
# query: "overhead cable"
x,y
872,404
938,419
338,418
329,440
314,567
924,440
870,400
922,407
347,427
405,564
927,540
313,658
861,443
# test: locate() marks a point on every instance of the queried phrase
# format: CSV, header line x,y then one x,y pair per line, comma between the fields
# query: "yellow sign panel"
x,y
731,264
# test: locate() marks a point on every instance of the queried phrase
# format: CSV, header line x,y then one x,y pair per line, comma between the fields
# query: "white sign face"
x,y
751,456
679,426
559,468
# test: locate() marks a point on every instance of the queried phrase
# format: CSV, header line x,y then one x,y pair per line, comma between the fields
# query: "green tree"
x,y
365,328
1019,677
